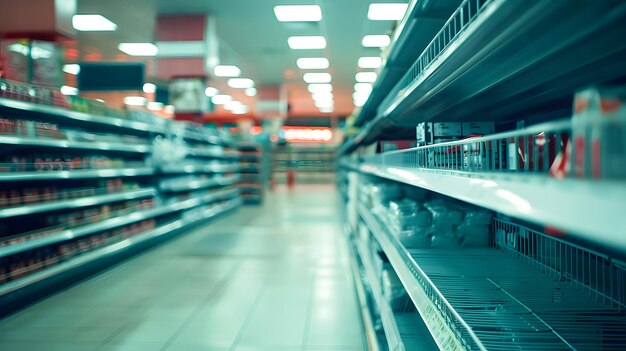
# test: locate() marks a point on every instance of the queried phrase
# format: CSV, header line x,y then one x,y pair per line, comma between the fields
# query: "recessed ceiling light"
x,y
322,96
359,95
210,91
231,105
365,77
243,109
67,90
323,103
72,68
227,71
298,13
370,62
326,109
317,77
312,63
94,23
376,41
154,106
320,88
240,83
149,88
307,42
250,92
386,12
135,100
221,99
138,49
363,87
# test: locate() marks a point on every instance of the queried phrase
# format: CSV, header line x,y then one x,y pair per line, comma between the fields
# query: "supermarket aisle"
x,y
267,278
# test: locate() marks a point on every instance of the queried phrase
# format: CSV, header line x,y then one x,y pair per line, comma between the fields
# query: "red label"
x,y
580,104
580,156
609,105
595,158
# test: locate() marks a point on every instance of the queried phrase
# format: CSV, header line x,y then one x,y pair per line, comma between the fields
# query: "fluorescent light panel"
x,y
210,91
138,49
326,109
135,100
67,90
250,92
359,87
322,96
221,99
72,68
306,42
365,77
240,83
154,106
231,105
376,41
324,103
298,13
320,88
317,77
92,23
243,109
312,63
370,62
227,71
149,88
386,12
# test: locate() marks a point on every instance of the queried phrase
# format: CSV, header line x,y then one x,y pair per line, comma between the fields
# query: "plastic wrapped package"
x,y
473,235
385,192
416,194
445,217
447,240
416,238
393,290
477,217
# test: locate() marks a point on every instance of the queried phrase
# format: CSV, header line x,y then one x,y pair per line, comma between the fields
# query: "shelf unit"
x,y
552,277
309,164
77,206
29,110
251,168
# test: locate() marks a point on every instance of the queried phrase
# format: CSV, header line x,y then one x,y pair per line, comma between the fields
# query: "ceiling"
x,y
252,38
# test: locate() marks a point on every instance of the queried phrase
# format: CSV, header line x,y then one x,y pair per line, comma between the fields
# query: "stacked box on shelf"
x,y
81,188
251,184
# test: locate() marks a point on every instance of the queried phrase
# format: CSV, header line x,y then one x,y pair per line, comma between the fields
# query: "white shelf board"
x,y
68,144
590,210
112,249
75,174
75,203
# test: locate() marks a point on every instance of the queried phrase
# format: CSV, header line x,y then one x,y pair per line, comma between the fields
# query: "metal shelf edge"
x,y
386,314
74,174
435,322
109,250
589,210
107,224
76,203
79,116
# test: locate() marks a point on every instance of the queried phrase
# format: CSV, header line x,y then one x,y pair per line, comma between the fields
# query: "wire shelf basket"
x,y
540,149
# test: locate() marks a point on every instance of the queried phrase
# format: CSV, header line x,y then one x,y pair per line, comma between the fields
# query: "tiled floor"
x,y
274,278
